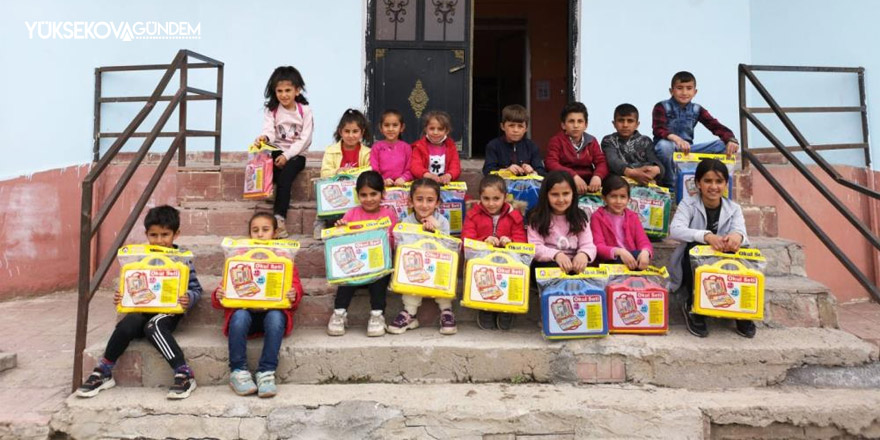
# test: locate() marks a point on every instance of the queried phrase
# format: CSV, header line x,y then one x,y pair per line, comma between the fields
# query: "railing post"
x,y
218,115
96,131
743,122
181,109
85,275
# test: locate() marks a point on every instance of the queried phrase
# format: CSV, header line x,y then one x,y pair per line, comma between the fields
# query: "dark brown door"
x,y
419,60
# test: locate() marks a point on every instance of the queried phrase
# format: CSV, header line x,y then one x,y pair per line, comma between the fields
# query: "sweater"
x,y
227,312
333,159
392,160
635,152
586,163
289,130
420,158
689,226
478,224
500,154
560,239
634,237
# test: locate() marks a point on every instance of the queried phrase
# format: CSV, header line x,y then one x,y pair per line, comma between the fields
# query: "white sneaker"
x,y
376,324
281,231
338,322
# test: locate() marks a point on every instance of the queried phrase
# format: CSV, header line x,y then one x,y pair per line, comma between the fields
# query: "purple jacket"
x,y
634,237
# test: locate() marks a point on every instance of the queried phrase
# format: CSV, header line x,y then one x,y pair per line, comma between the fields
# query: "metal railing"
x,y
747,114
90,224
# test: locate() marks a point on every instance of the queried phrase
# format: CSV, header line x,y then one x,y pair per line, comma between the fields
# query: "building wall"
x,y
48,98
630,50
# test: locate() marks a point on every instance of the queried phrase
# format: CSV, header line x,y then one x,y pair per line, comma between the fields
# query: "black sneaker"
x,y
184,385
504,321
486,320
746,328
96,383
696,324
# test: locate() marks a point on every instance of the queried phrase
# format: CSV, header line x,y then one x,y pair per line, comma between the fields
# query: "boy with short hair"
x,y
628,152
513,151
674,122
575,151
162,225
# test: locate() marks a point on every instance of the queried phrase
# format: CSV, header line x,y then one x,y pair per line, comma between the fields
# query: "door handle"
x,y
456,68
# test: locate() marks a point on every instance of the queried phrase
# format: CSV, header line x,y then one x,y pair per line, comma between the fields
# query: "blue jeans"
x,y
666,148
243,322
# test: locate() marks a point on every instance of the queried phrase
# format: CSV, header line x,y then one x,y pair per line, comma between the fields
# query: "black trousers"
x,y
157,328
283,179
377,289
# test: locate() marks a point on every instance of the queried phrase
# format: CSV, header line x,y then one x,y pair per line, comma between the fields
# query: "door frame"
x,y
370,46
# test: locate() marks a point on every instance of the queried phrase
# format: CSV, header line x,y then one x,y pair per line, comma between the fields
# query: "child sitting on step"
x,y
392,157
617,231
424,196
707,217
370,188
241,324
287,124
496,222
435,155
162,225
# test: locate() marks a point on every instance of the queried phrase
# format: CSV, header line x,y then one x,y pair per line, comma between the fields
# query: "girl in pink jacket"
x,y
617,231
559,230
391,157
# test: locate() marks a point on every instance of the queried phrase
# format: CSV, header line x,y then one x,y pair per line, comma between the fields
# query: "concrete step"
x,y
678,359
230,218
472,411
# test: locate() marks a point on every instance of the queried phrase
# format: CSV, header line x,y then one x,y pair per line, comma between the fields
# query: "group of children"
x,y
563,234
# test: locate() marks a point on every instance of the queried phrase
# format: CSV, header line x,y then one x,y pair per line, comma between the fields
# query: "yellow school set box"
x,y
425,263
152,279
257,273
730,285
497,279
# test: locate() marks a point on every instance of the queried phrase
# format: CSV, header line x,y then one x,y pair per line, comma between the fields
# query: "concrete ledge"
x,y
309,356
471,411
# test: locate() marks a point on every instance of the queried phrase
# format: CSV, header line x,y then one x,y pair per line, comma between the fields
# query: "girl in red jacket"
x,y
273,325
435,155
494,221
617,231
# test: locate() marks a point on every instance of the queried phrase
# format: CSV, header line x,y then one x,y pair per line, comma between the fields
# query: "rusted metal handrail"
x,y
89,281
747,114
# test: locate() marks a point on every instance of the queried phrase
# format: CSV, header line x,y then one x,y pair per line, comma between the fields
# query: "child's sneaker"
x,y
504,321
403,322
319,226
447,322
242,382
338,322
486,320
266,382
376,324
96,383
281,231
696,324
184,385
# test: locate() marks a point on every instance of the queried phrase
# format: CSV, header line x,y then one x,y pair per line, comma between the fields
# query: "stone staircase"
x,y
486,384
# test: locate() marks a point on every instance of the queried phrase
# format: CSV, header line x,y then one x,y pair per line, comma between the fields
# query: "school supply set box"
x,y
525,189
259,171
357,253
152,278
336,195
728,285
257,273
685,185
497,279
603,300
425,263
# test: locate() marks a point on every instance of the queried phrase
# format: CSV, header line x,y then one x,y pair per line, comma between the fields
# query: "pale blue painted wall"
x,y
630,50
820,33
47,85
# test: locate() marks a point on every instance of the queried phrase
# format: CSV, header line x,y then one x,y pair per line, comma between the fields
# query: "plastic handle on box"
x,y
153,259
265,253
721,264
636,282
503,259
